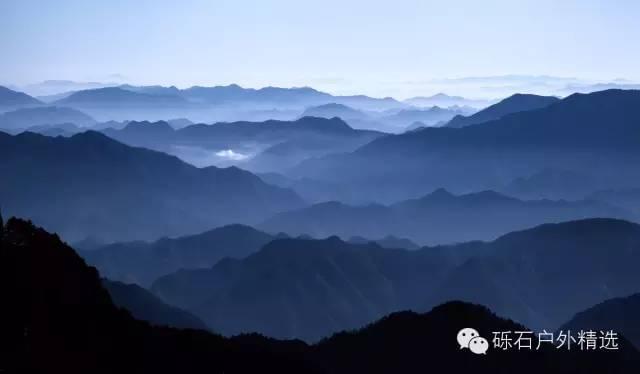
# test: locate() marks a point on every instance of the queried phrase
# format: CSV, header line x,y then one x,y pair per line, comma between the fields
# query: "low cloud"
x,y
229,154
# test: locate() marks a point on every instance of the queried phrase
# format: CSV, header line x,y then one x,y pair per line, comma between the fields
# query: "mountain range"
x,y
391,120
143,262
322,254
257,146
57,316
309,289
11,100
437,218
203,104
107,102
220,103
116,96
86,185
27,118
592,134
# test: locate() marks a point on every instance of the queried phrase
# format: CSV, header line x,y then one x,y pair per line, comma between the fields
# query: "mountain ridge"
x,y
439,217
512,104
309,289
58,317
110,177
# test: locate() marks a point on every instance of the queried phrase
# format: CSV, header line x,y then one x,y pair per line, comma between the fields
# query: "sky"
x,y
394,48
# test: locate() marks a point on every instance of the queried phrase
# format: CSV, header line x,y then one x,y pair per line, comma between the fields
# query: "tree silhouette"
x,y
1,224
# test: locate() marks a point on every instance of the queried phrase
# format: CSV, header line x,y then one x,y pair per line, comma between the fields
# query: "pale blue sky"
x,y
380,48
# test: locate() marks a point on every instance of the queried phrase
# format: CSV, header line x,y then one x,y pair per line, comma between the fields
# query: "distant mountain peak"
x,y
515,103
440,193
14,99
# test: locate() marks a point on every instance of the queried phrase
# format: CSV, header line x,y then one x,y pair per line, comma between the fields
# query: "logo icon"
x,y
471,339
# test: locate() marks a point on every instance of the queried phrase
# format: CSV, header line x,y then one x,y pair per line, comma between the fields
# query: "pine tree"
x,y
1,225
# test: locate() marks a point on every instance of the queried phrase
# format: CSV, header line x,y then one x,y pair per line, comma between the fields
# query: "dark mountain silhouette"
x,y
595,134
28,117
142,262
259,146
11,100
573,121
91,185
512,104
403,343
619,315
57,317
542,276
437,218
311,288
303,288
144,306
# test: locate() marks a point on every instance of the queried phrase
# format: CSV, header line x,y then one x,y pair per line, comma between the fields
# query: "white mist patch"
x,y
202,157
229,154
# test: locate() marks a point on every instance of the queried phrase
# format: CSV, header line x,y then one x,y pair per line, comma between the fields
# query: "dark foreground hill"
x,y
92,185
621,314
405,343
309,289
145,306
56,317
